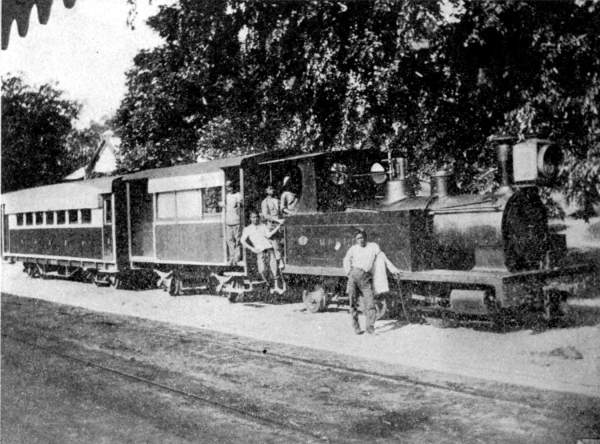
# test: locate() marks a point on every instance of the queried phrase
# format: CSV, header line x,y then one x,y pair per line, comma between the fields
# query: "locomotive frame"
x,y
480,256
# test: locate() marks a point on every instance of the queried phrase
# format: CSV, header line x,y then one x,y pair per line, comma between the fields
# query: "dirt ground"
x,y
563,359
74,375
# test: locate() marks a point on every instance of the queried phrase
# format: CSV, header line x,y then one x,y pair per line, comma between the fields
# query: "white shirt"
x,y
361,257
270,208
289,202
258,235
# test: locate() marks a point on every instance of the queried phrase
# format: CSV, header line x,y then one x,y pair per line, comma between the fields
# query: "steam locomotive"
x,y
475,255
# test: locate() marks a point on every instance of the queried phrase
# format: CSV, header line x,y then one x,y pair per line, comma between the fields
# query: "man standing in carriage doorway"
x,y
270,214
289,198
359,264
233,209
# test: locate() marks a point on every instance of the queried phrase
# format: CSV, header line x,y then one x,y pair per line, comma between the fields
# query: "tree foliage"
x,y
251,76
36,124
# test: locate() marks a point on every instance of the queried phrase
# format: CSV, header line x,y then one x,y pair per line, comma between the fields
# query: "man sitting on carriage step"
x,y
260,237
360,264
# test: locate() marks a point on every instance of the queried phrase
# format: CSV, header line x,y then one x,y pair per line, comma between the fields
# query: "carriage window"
x,y
165,206
211,197
73,216
28,218
39,218
86,216
60,217
188,204
20,219
107,211
49,217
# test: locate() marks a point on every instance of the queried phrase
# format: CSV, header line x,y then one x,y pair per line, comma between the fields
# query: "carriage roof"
x,y
60,196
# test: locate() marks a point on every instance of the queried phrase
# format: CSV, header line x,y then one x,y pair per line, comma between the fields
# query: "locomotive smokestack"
x,y
442,179
396,188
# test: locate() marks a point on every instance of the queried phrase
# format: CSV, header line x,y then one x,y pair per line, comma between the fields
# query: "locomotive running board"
x,y
508,287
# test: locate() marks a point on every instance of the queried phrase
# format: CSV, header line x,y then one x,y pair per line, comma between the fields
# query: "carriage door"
x,y
4,248
108,218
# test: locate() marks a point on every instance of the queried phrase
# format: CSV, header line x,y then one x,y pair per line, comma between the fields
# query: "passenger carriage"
x,y
66,229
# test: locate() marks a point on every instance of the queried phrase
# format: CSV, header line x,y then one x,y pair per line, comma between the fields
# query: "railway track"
x,y
176,391
340,369
144,352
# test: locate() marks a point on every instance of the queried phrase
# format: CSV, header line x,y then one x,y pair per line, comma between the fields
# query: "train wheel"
x,y
175,286
34,271
315,300
381,308
88,276
114,281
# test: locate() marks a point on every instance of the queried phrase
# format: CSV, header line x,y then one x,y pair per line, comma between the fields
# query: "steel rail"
x,y
396,379
225,407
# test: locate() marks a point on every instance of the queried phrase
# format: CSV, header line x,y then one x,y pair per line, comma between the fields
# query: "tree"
x,y
304,75
527,68
243,76
36,124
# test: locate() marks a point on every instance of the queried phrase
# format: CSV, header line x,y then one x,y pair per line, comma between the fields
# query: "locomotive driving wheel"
x,y
315,299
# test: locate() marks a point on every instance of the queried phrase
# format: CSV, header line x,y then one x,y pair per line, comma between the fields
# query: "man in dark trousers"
x,y
256,237
233,208
358,265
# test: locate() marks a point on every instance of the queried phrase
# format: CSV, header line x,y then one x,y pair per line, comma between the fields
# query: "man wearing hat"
x,y
233,208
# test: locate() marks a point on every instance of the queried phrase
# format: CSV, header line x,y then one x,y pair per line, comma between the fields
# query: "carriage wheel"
x,y
114,281
34,271
315,300
88,275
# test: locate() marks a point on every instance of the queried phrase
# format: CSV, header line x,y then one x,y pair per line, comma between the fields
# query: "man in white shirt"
x,y
260,244
233,208
358,265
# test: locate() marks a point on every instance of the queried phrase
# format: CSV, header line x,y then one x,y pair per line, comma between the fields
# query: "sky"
x,y
85,51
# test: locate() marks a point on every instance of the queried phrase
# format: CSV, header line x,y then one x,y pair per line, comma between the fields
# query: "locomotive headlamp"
x,y
378,174
536,162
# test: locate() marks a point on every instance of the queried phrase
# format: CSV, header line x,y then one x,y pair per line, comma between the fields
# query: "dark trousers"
x,y
232,235
362,281
266,259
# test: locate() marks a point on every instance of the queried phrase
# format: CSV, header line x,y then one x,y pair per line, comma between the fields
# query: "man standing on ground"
x,y
233,209
260,237
358,265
